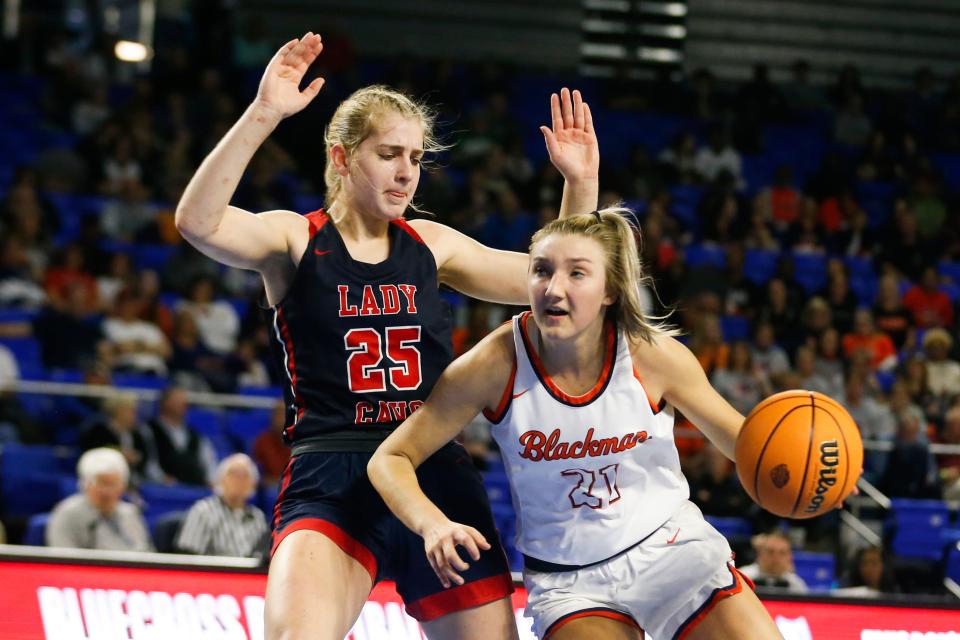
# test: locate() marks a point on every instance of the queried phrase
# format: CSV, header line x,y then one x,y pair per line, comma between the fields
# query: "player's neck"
x,y
358,227
578,359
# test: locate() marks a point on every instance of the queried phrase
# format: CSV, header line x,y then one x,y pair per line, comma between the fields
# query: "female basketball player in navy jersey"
x,y
580,395
362,335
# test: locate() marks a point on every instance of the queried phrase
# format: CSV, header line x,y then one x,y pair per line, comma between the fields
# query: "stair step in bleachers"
x,y
817,569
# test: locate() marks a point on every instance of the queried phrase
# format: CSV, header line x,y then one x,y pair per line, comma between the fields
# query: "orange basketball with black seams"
x,y
799,454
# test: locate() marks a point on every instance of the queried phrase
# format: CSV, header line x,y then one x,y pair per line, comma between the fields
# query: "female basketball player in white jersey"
x,y
339,281
580,395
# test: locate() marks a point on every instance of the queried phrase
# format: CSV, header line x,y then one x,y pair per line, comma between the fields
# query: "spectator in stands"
x,y
913,373
716,489
718,156
810,378
767,355
875,420
678,160
774,564
779,203
779,310
843,303
744,382
708,345
910,471
140,346
247,367
119,427
217,320
192,365
949,464
269,449
799,93
930,306
902,248
16,424
120,275
184,455
19,288
943,373
96,517
891,316
224,524
69,333
868,575
851,126
68,270
816,318
929,207
129,215
865,337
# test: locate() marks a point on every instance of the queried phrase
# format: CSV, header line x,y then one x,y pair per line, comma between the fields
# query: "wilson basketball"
x,y
799,454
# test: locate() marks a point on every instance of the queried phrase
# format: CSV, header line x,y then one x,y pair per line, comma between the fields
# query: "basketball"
x,y
799,454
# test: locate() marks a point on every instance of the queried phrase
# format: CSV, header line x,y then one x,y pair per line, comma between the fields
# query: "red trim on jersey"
x,y
284,483
347,543
556,391
403,224
597,613
497,414
707,607
471,594
291,368
317,219
656,408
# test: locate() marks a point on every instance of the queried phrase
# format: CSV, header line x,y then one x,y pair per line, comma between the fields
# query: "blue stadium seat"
x,y
685,199
498,487
731,527
816,569
810,271
916,526
734,328
760,265
35,534
704,255
164,529
208,422
247,424
31,477
26,351
152,256
267,499
950,270
160,499
953,562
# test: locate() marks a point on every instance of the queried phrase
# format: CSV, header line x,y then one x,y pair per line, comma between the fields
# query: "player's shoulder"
x,y
662,356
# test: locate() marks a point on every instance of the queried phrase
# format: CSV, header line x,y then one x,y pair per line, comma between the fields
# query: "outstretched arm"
x,y
204,216
501,276
458,396
574,151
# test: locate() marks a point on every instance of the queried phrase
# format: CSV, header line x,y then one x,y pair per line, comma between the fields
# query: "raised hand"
x,y
571,141
280,85
441,544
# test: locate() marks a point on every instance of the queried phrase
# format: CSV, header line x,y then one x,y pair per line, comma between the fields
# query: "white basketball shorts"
x,y
664,585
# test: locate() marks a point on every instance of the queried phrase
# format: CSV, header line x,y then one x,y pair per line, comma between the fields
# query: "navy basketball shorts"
x,y
330,493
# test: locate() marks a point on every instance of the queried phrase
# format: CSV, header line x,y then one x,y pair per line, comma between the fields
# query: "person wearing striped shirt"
x,y
224,524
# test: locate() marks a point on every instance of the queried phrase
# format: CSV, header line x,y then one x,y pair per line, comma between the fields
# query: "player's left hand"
x,y
571,141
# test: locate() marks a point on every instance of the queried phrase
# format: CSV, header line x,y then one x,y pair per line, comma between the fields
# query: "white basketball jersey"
x,y
590,475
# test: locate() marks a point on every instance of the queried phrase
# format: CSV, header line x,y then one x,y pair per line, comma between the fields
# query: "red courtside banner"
x,y
44,598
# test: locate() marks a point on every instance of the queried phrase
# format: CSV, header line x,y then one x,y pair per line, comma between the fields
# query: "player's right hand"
x,y
279,90
440,543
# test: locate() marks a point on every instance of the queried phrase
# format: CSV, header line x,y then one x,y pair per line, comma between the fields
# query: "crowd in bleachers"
x,y
803,236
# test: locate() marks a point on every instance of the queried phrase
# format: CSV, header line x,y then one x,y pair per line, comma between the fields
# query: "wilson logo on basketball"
x,y
829,459
780,476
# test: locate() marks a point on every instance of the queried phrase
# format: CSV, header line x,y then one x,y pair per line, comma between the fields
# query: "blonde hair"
x,y
356,118
624,275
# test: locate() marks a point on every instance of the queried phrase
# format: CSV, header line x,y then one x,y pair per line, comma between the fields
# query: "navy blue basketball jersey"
x,y
361,345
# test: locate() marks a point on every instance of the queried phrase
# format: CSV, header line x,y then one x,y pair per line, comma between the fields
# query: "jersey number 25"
x,y
365,346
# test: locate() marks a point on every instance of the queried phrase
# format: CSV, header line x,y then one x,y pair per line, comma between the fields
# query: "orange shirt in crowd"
x,y
878,345
929,308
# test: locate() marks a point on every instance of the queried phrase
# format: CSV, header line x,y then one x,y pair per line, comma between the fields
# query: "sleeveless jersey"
x,y
361,345
590,475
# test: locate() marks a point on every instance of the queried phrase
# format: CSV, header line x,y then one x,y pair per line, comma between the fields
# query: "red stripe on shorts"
x,y
715,597
595,613
471,594
347,543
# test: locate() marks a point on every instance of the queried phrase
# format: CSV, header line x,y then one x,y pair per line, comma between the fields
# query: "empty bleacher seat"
x,y
734,328
247,424
208,422
31,477
730,527
159,499
760,265
810,271
704,255
953,562
916,527
816,569
164,529
498,487
26,351
35,534
950,270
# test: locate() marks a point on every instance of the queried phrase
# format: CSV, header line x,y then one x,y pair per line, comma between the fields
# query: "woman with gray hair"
x,y
224,524
96,517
